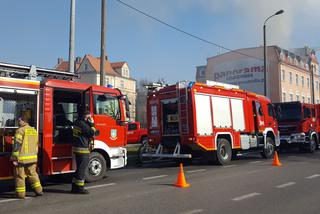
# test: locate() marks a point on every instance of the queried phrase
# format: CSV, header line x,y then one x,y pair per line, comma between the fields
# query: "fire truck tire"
x,y
97,167
312,145
224,152
269,151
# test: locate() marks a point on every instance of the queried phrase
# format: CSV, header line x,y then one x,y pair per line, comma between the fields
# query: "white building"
x,y
117,76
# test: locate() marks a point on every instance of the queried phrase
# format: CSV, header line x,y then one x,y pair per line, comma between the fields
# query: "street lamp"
x,y
265,50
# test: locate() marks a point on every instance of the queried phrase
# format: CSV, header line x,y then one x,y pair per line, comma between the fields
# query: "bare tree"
x,y
141,107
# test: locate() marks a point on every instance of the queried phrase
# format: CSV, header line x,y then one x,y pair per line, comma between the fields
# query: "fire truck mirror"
x,y
127,105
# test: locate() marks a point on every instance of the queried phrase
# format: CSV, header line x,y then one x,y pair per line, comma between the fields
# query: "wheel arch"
x,y
225,135
104,150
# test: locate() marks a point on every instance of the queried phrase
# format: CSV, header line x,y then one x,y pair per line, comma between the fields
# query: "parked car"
x,y
136,134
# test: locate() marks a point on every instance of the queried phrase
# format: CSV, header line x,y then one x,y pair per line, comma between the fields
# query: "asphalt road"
x,y
249,185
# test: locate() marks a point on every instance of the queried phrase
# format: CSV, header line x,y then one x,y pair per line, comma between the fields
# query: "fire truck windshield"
x,y
107,105
289,111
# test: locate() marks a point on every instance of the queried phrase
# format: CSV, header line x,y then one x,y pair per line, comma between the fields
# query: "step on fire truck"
x,y
298,125
188,119
51,107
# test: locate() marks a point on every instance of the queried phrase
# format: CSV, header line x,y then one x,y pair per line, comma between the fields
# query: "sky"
x,y
37,31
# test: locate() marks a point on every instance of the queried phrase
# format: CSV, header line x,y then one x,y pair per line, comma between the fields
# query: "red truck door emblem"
x,y
113,134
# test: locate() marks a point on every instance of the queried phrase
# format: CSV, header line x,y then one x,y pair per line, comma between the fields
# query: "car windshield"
x,y
288,112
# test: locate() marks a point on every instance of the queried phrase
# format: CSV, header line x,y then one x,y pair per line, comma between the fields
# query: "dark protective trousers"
x,y
82,161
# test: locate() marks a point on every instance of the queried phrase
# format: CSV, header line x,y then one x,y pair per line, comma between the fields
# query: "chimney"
x,y
60,60
78,60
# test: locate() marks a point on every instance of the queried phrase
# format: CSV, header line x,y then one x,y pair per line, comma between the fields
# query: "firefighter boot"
x,y
78,189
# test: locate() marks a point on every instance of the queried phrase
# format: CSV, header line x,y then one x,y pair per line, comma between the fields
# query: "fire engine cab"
x,y
191,118
298,125
51,107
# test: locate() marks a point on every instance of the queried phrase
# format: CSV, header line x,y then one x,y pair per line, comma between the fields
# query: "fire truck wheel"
x,y
97,167
269,151
224,152
312,145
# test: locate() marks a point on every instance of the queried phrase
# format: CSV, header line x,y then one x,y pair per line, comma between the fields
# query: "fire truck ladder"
x,y
33,73
182,94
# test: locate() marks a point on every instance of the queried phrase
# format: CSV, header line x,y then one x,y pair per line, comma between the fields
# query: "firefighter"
x,y
83,133
24,157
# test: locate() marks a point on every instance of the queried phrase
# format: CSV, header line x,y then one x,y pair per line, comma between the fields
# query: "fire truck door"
x,y
67,106
87,100
258,114
107,119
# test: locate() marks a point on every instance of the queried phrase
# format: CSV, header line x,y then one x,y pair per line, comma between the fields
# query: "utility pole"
x,y
103,43
71,36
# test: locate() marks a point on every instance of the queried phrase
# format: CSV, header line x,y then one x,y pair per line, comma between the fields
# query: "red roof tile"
x,y
95,62
64,66
116,65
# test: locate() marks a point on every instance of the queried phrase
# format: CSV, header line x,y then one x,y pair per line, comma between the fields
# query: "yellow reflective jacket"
x,y
27,137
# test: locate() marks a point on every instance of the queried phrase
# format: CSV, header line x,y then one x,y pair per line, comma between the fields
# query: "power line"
x,y
183,31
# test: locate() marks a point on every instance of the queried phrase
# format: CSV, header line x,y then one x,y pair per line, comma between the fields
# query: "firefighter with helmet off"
x,y
24,157
83,133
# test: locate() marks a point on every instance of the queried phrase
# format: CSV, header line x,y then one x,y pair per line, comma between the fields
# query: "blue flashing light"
x,y
109,86
191,84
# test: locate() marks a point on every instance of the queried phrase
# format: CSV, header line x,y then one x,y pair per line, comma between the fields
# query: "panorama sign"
x,y
246,73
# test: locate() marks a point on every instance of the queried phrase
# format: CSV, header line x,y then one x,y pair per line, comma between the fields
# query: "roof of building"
x,y
116,65
296,57
64,66
95,63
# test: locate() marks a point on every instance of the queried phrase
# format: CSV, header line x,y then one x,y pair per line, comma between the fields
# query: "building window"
x,y
308,82
290,77
297,97
309,100
303,99
302,81
283,75
317,85
283,97
121,84
291,97
297,79
317,101
86,67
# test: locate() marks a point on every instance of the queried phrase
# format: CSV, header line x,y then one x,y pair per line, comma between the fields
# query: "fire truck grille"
x,y
285,129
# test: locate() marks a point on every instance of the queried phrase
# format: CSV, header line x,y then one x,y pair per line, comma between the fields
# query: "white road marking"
x,y
12,199
250,195
286,185
102,185
154,177
313,176
255,162
197,170
228,166
194,211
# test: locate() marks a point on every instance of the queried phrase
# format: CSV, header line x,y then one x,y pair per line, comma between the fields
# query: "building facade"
x,y
117,76
291,75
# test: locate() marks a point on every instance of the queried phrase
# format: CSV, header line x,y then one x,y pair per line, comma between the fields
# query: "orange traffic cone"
x,y
276,161
181,181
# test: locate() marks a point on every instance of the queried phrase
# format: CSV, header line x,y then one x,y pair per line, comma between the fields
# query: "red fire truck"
x,y
298,125
52,107
188,118
136,134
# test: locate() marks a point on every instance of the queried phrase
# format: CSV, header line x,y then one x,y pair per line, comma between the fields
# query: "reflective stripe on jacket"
x,y
27,138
